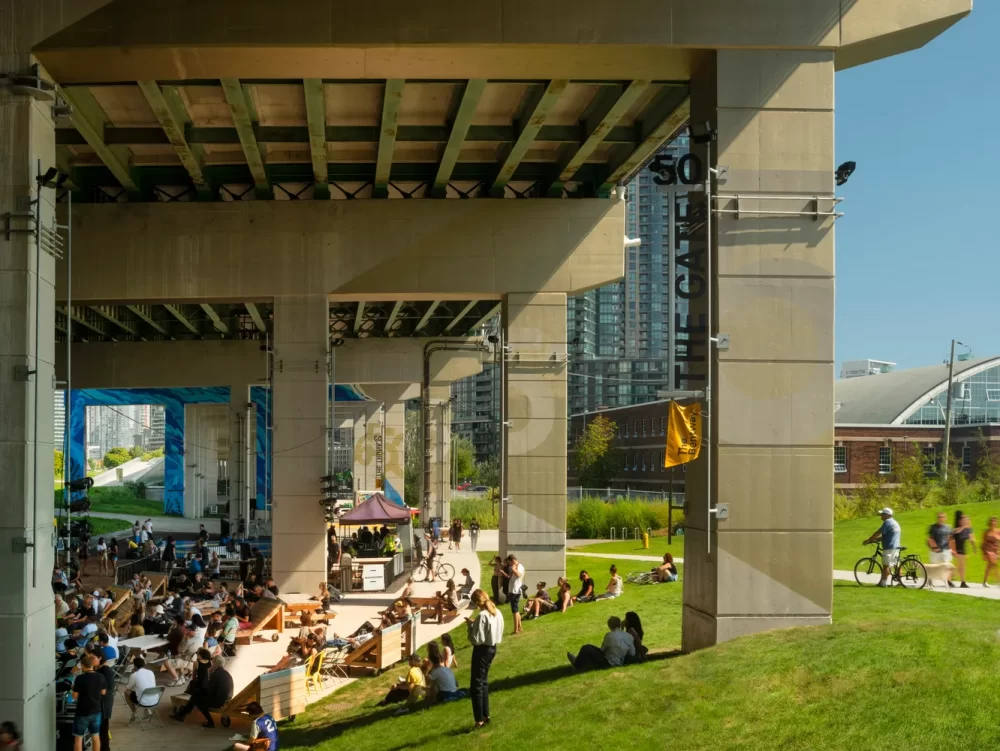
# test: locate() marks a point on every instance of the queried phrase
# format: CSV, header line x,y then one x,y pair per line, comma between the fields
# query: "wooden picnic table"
x,y
143,643
300,602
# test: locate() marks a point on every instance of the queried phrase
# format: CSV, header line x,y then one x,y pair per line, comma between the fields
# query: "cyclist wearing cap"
x,y
889,533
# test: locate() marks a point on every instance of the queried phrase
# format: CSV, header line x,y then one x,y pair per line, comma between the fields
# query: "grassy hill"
x,y
898,669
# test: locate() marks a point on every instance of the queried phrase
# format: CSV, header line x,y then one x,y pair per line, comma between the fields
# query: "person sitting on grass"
x,y
263,731
587,588
448,651
416,684
667,571
617,646
540,604
441,683
633,627
614,586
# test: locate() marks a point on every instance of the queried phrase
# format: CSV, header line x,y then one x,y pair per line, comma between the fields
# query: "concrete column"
x,y
437,447
192,462
238,422
772,421
367,426
301,414
533,521
393,399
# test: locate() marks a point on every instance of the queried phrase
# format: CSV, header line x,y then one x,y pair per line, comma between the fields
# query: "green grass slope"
x,y
898,669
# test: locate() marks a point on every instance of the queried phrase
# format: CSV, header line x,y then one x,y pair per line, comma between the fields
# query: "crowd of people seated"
x,y
428,680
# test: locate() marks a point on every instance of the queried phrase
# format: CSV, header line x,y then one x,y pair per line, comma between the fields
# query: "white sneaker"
x,y
986,584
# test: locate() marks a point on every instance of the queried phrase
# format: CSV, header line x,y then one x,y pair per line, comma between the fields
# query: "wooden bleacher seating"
x,y
265,614
383,650
122,607
281,694
428,608
158,582
408,642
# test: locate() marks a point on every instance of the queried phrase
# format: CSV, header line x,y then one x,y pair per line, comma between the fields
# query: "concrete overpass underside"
x,y
315,171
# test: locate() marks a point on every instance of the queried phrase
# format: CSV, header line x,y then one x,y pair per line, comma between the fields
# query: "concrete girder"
x,y
508,39
217,321
492,312
392,97
359,317
315,96
241,109
173,123
177,313
461,314
111,314
254,313
90,120
398,306
426,316
415,250
187,363
468,104
144,312
537,104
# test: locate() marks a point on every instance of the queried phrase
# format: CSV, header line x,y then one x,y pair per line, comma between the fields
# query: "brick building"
x,y
881,418
640,444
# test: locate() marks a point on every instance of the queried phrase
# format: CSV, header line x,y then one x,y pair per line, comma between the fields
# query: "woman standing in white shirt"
x,y
102,555
485,633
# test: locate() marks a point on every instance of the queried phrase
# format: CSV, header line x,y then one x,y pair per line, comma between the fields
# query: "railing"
x,y
577,494
125,571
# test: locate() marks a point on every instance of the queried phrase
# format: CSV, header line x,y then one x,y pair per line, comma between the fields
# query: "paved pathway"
x,y
974,590
165,524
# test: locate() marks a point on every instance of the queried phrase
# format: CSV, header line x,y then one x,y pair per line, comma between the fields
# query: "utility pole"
x,y
947,414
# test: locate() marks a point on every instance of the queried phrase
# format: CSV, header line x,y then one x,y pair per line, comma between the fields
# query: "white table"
x,y
143,643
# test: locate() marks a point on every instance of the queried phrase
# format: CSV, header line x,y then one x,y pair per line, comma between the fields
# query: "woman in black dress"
x,y
961,537
170,554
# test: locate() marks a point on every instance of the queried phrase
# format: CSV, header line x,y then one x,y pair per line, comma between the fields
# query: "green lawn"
x,y
847,536
106,526
117,500
898,669
657,547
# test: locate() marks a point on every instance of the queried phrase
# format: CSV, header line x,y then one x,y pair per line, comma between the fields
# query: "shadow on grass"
x,y
313,735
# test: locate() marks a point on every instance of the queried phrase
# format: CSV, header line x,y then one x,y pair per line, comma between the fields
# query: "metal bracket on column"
x,y
17,216
553,358
29,83
23,373
721,511
721,342
21,544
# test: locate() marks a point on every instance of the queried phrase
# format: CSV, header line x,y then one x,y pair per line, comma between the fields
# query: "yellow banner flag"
x,y
683,434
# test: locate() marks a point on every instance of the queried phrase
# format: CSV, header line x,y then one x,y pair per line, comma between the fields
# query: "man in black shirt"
x,y
587,588
89,690
216,694
939,541
107,703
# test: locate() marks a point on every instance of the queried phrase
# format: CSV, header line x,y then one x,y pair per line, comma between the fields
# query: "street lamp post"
x,y
947,413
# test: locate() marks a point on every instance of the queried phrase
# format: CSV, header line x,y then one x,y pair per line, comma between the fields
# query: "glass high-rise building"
x,y
618,333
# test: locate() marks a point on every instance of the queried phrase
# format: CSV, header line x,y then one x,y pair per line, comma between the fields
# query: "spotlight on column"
x,y
845,171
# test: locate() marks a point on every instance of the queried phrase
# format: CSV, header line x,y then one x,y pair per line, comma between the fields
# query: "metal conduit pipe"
x,y
436,345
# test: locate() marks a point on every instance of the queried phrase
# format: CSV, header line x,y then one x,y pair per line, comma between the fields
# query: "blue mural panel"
x,y
173,401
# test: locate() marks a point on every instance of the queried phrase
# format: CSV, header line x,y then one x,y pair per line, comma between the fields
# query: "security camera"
x,y
844,172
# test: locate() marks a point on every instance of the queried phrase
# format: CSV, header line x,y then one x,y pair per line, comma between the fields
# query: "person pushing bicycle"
x,y
889,533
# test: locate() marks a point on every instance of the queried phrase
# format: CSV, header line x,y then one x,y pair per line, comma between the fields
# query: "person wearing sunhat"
x,y
889,533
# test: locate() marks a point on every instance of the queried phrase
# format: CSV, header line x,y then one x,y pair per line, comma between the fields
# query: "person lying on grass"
x,y
617,646
540,604
587,588
614,586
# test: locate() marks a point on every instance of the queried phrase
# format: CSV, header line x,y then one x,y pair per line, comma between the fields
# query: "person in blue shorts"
x,y
264,728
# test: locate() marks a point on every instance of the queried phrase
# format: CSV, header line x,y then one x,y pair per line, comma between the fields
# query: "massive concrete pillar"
x,y
771,412
533,520
393,398
239,420
27,323
437,448
300,419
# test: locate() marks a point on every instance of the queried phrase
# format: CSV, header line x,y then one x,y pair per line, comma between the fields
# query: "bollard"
x,y
645,540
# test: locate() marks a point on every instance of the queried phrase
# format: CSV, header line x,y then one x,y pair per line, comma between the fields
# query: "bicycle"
x,y
641,577
442,572
909,571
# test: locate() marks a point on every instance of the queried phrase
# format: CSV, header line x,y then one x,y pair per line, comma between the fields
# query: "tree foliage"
x,y
463,458
987,472
413,441
595,459
116,457
488,472
58,463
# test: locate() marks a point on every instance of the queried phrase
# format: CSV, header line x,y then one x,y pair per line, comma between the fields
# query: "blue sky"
x,y
917,260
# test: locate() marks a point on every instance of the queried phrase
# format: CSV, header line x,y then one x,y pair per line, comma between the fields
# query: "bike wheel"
x,y
911,573
636,577
865,569
445,571
420,573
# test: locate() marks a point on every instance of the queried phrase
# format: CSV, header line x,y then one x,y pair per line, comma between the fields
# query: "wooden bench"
x,y
265,614
382,651
123,606
157,582
281,694
428,609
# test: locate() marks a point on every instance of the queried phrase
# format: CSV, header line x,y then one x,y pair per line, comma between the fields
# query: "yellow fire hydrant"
x,y
645,540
